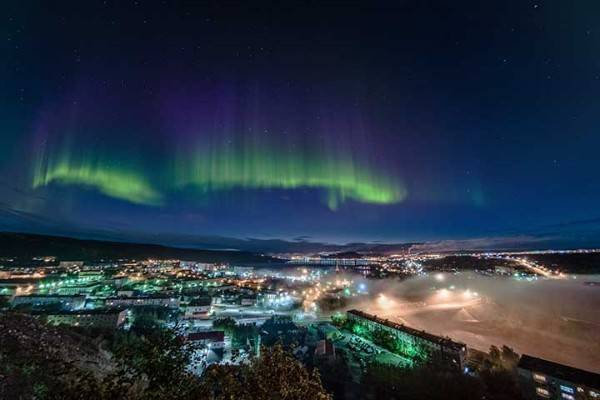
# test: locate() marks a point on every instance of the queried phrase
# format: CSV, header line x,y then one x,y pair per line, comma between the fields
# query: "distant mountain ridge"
x,y
25,245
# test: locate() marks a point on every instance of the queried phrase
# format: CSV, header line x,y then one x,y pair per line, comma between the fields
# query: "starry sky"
x,y
327,121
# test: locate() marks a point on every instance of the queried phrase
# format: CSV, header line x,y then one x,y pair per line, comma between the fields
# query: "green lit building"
x,y
420,346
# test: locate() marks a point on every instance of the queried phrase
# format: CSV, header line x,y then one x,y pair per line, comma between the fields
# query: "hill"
x,y
24,246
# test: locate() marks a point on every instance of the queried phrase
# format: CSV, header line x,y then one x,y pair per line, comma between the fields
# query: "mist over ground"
x,y
558,320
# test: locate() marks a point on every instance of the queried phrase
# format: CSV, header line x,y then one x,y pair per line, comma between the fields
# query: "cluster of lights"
x,y
384,301
447,292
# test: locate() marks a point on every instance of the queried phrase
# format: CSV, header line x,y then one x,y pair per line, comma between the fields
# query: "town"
x,y
228,312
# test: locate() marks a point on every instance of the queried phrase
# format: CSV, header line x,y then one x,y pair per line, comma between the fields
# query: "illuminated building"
x,y
90,274
17,286
346,262
68,289
420,346
215,339
542,379
70,302
69,265
248,301
196,266
164,301
197,308
94,318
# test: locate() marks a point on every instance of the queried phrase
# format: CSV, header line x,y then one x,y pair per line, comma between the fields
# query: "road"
x,y
537,270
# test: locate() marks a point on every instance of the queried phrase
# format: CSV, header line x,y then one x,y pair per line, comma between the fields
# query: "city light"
x,y
384,301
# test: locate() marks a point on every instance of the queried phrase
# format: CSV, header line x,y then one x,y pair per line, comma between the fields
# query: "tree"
x,y
382,381
160,357
4,302
242,333
498,372
338,319
41,362
275,375
495,357
385,339
282,330
335,375
226,324
510,358
156,314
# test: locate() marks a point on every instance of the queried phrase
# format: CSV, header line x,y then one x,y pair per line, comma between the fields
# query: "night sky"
x,y
334,121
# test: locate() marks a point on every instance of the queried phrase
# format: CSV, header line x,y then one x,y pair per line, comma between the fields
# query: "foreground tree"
x,y
275,375
499,373
422,382
42,362
335,375
226,324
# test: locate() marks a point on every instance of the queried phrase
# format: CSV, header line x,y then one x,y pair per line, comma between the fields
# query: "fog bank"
x,y
558,320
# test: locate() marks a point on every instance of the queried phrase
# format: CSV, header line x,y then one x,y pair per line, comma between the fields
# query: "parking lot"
x,y
365,351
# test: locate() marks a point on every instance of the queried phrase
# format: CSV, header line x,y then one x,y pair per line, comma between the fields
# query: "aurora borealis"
x,y
109,181
256,170
264,168
395,122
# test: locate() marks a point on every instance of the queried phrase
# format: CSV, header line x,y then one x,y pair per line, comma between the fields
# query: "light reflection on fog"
x,y
553,319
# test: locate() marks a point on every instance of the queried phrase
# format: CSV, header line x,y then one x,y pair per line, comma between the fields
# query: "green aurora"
x,y
252,168
110,179
340,178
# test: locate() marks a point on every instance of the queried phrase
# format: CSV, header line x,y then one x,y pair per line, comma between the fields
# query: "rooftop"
x,y
215,336
202,301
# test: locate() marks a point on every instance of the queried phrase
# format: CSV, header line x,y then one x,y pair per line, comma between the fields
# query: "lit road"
x,y
537,270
